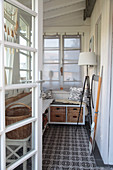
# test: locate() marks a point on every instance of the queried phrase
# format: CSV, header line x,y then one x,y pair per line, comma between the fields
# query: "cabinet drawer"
x,y
57,114
74,110
58,109
72,114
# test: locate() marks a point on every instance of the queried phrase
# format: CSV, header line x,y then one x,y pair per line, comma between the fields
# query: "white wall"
x,y
102,8
59,95
111,104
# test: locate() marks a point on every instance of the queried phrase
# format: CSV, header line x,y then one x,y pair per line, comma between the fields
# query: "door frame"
x,y
36,118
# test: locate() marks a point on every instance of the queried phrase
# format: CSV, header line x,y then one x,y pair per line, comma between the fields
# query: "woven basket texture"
x,y
14,115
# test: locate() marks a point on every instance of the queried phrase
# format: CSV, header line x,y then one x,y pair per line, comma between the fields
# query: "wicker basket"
x,y
15,114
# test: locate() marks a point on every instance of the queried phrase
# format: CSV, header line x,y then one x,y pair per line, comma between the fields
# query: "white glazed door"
x,y
20,63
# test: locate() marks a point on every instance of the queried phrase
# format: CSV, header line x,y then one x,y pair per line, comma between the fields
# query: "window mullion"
x,y
61,61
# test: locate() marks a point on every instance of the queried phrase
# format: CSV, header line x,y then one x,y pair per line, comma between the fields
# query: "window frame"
x,y
52,49
70,49
61,59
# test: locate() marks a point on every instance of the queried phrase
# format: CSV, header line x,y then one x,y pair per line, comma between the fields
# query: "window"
x,y
8,62
25,66
23,22
72,71
51,62
68,59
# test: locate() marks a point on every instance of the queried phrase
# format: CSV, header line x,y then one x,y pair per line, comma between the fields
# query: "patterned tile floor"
x,y
63,149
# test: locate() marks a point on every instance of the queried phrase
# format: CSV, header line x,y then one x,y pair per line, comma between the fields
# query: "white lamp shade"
x,y
87,58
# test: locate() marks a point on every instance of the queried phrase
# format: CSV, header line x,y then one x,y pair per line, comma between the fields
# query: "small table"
x,y
13,146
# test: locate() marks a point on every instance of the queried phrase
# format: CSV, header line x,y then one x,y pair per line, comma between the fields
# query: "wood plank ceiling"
x,y
63,12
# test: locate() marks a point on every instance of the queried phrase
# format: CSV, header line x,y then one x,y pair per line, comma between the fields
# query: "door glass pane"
x,y
50,43
18,105
72,42
28,3
18,66
18,144
51,56
17,25
23,61
51,72
27,165
23,76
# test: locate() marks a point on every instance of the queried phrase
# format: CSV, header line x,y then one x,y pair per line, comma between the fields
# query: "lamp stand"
x,y
87,70
86,81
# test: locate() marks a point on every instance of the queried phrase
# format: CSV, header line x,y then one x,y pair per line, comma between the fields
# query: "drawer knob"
x,y
57,116
74,108
57,108
74,116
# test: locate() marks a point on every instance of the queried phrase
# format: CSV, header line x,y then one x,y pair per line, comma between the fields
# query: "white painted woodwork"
x,y
36,106
21,160
21,6
72,21
63,11
102,8
20,124
67,16
55,4
46,103
17,46
2,92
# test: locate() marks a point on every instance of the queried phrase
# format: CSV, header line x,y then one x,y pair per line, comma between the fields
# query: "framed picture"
x,y
91,44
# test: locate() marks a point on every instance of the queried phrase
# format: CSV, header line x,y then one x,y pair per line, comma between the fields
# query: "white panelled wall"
x,y
110,151
102,9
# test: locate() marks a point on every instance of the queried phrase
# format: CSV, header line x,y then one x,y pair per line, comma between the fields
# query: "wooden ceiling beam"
x,y
52,5
69,22
67,16
89,8
65,10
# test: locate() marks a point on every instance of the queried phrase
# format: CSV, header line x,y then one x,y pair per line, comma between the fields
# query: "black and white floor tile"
x,y
63,149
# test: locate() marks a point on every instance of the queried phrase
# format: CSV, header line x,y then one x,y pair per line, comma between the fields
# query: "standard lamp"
x,y
87,59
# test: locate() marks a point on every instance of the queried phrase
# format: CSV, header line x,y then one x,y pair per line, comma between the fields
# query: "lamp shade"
x,y
87,58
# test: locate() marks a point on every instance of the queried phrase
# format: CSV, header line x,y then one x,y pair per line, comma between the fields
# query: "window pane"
x,y
9,56
23,61
18,144
17,30
51,72
27,165
51,56
72,72
23,76
71,55
18,112
51,43
27,3
8,76
72,42
18,65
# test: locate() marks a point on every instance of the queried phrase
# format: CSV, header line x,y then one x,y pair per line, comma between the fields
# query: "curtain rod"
x,y
58,34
